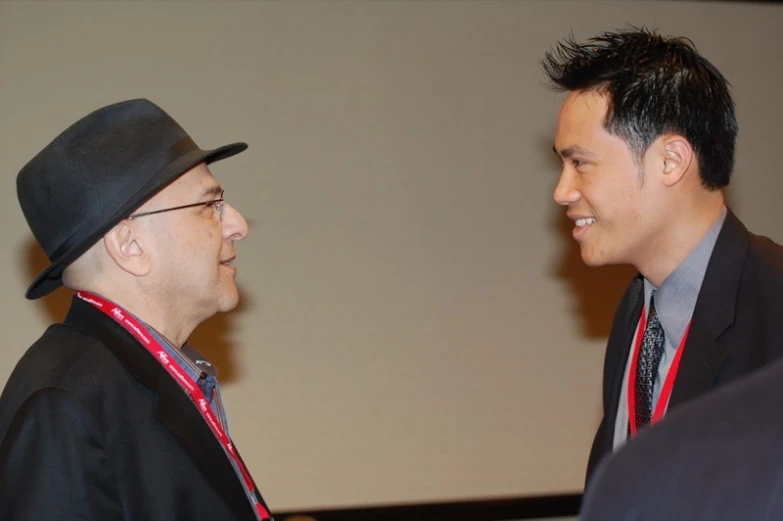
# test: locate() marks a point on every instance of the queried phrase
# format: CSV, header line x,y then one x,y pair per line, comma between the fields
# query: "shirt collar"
x,y
188,357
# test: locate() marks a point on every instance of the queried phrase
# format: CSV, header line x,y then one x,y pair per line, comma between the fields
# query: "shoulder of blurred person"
x,y
718,457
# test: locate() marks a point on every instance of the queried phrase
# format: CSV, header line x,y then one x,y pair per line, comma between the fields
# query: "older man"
x,y
111,414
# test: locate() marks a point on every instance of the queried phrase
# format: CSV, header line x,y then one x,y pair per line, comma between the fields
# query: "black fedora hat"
x,y
96,173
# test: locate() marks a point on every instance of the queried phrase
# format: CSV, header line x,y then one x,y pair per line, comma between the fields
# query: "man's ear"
x,y
126,248
678,155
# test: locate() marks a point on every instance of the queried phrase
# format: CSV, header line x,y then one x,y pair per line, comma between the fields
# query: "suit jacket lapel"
x,y
714,313
620,347
259,497
181,418
174,410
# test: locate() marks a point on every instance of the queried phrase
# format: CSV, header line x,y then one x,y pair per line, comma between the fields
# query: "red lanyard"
x,y
141,333
668,384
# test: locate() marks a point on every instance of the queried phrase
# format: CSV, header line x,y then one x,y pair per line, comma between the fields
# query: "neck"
x,y
165,320
176,333
677,238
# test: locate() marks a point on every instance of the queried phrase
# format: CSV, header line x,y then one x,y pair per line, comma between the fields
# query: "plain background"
x,y
416,323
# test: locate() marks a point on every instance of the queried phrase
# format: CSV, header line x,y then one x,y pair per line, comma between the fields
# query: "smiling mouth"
x,y
587,221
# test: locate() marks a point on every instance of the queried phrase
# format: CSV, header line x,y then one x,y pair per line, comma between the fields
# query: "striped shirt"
x,y
198,369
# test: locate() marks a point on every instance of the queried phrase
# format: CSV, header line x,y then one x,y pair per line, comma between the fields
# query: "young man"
x,y
647,134
111,415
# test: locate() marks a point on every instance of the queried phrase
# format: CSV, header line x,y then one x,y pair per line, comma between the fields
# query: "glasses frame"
x,y
219,209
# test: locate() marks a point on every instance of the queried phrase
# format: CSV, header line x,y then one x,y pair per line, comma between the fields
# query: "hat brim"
x,y
50,278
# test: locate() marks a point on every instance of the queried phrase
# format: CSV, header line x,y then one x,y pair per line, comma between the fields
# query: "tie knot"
x,y
652,303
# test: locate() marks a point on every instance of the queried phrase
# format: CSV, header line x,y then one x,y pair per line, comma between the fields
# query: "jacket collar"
x,y
714,312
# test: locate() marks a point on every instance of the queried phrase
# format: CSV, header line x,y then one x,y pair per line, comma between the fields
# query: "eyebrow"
x,y
572,151
212,190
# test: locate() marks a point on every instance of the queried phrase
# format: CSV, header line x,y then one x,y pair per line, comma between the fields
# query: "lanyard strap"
x,y
140,332
668,384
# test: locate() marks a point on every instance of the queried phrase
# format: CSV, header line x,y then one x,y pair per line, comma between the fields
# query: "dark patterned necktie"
x,y
647,368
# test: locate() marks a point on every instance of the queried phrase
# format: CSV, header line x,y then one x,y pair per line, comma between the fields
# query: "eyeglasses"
x,y
219,205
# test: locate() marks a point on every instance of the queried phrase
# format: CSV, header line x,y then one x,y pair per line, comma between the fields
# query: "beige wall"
x,y
416,323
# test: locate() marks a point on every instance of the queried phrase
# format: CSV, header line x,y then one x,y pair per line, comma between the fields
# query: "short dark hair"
x,y
653,85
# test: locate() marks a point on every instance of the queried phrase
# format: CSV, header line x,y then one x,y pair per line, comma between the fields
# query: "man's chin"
x,y
596,261
229,300
592,260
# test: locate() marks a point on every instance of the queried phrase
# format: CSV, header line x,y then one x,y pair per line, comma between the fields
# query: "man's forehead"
x,y
196,182
197,178
585,104
582,115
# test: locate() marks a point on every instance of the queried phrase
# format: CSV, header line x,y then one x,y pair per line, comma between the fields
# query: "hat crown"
x,y
89,165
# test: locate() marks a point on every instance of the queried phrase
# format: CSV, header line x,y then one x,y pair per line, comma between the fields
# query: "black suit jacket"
x,y
735,327
717,458
93,428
